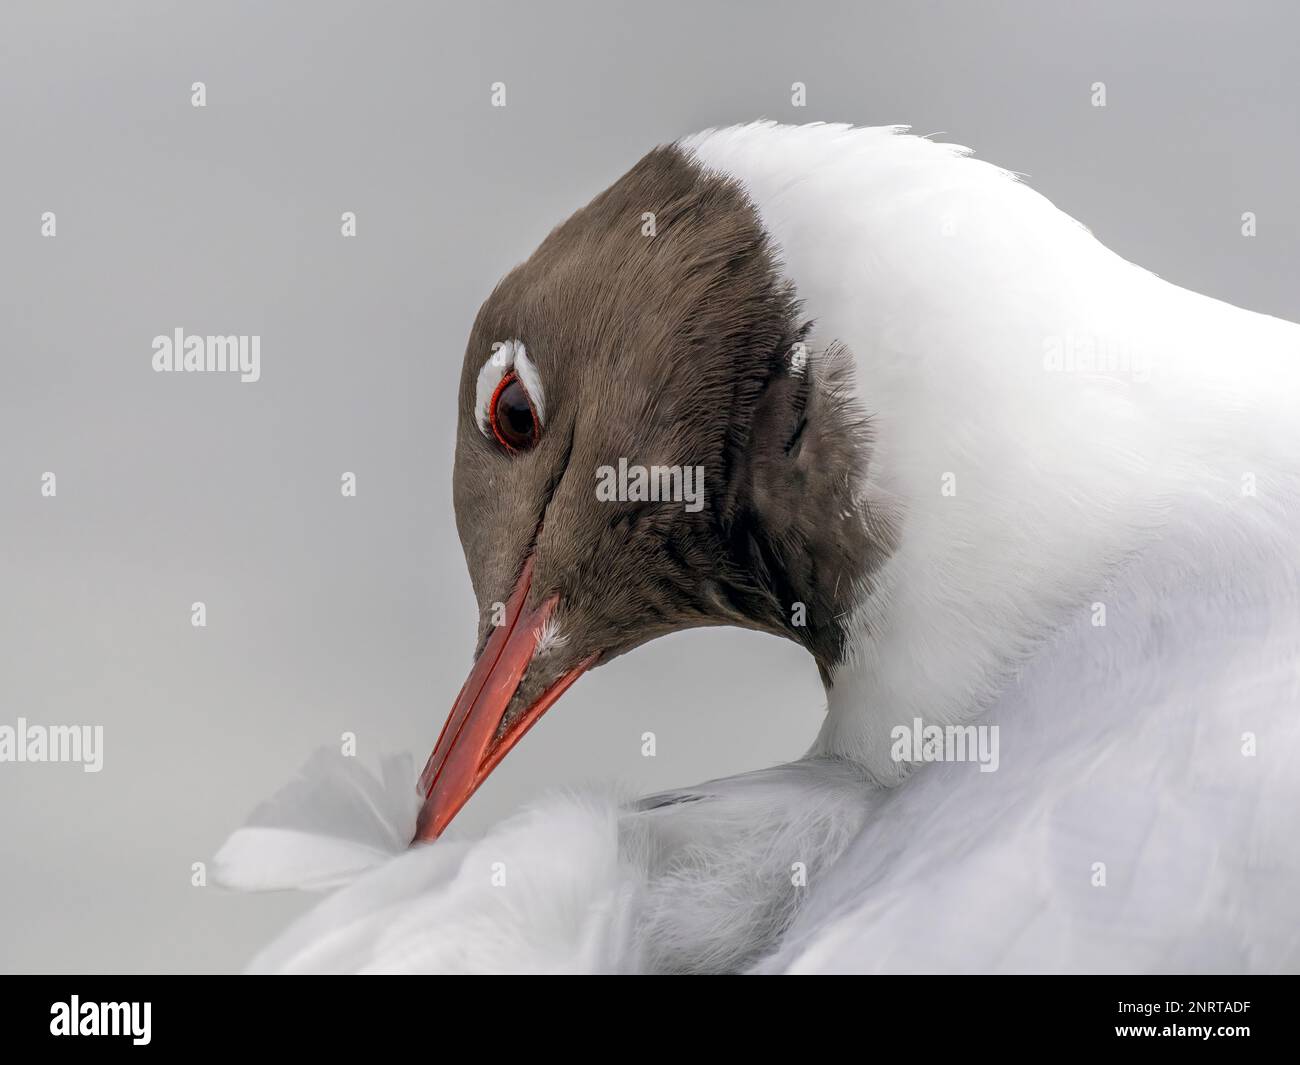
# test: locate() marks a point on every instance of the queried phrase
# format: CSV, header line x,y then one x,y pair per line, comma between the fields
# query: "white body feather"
x,y
1162,484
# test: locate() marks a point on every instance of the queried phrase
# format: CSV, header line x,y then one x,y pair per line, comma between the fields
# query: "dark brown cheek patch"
x,y
811,531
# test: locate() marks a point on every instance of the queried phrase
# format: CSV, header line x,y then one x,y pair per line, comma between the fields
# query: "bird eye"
x,y
514,421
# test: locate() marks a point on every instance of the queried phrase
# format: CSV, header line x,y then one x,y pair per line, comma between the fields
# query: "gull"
x,y
1009,491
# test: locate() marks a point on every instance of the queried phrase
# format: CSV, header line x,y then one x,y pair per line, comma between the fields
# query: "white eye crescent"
x,y
507,355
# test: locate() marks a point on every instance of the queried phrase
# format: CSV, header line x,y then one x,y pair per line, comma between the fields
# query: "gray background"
x,y
329,614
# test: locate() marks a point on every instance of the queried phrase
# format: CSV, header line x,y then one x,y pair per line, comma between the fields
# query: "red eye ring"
x,y
511,435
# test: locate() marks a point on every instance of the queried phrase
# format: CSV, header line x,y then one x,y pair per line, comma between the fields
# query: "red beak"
x,y
468,748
